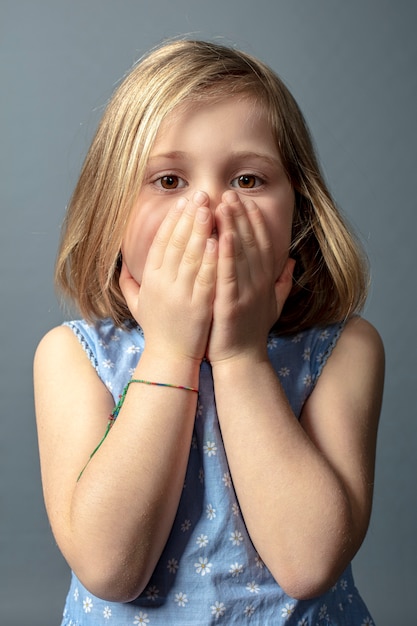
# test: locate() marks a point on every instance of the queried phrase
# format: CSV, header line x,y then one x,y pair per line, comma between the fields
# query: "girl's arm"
x,y
113,523
304,488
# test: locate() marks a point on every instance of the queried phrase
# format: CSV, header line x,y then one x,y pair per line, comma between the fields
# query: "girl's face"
x,y
212,147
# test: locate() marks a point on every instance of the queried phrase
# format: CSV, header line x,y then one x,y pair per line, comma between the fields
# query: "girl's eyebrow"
x,y
269,159
172,156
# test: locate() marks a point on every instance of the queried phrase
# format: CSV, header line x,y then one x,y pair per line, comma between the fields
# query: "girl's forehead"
x,y
199,108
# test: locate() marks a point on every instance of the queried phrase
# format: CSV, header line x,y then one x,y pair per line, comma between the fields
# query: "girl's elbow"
x,y
113,584
310,575
303,587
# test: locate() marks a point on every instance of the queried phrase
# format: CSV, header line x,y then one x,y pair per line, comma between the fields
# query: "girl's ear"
x,y
124,272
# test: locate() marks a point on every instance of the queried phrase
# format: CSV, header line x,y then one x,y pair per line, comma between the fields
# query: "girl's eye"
x,y
170,181
247,181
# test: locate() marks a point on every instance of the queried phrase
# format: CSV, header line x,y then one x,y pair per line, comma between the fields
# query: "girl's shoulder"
x,y
113,351
318,342
102,342
301,358
355,372
360,344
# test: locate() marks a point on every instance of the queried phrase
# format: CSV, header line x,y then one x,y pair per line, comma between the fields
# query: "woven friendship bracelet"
x,y
119,405
150,382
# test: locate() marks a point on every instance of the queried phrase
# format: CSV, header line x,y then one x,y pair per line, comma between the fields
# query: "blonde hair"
x,y
331,272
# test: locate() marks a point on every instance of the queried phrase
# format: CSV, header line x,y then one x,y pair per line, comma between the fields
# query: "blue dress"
x,y
209,571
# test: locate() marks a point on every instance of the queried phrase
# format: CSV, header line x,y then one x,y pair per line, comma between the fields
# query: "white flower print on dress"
x,y
249,610
307,380
211,512
108,364
152,593
181,598
227,480
287,610
259,562
76,594
235,509
306,354
107,612
323,612
272,343
142,618
253,587
210,448
367,622
132,350
186,525
172,566
284,372
203,567
87,604
303,622
218,609
324,335
202,541
236,537
236,569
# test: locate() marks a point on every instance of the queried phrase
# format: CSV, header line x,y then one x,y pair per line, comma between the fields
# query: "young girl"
x,y
219,289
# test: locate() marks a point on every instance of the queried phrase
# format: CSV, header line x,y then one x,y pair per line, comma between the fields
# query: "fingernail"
x,y
250,205
181,203
230,196
200,197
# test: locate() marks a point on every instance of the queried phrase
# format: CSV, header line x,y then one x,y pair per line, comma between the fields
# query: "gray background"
x,y
352,67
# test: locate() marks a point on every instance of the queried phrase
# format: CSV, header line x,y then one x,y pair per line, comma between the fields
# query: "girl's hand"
x,y
249,298
174,302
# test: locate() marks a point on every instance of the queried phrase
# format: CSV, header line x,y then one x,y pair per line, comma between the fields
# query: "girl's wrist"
x,y
173,369
239,365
